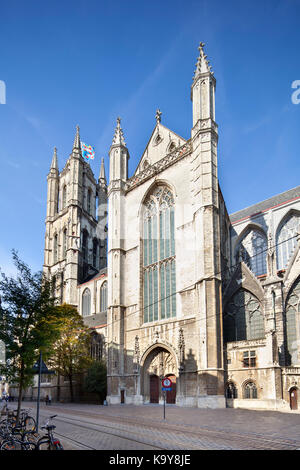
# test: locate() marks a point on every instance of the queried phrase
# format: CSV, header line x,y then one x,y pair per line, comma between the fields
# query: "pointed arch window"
x,y
55,249
250,390
287,240
243,319
95,253
96,346
159,274
65,238
86,303
253,251
89,201
85,237
292,315
103,297
231,390
64,197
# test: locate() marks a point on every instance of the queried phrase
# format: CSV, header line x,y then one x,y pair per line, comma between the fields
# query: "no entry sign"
x,y
166,384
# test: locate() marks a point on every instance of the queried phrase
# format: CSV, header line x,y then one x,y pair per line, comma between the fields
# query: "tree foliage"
x,y
29,322
96,379
71,352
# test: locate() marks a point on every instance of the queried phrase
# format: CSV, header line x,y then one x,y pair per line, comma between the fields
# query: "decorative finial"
x,y
158,116
102,171
118,136
76,144
202,65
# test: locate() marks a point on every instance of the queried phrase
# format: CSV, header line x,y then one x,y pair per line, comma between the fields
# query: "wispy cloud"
x,y
13,164
128,107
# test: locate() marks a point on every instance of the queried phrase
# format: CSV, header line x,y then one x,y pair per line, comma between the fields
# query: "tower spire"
x,y
102,176
77,145
202,65
54,163
118,138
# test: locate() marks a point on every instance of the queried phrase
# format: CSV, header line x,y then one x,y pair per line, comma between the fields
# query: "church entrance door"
x,y
158,363
293,399
171,395
154,388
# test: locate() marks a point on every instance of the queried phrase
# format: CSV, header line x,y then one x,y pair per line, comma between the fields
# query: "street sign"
x,y
166,383
166,389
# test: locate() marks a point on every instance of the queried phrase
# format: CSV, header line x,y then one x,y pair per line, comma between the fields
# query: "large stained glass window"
x,y
291,315
103,297
253,251
86,303
243,319
159,274
287,240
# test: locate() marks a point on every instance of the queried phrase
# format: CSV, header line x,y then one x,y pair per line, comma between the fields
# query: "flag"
x,y
88,152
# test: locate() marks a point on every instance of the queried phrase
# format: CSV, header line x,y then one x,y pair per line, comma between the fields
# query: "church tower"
x,y
118,157
205,200
75,246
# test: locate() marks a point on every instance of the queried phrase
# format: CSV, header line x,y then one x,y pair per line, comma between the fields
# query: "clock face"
x,y
2,352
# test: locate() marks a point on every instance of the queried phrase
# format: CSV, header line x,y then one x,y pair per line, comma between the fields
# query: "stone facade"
x,y
181,289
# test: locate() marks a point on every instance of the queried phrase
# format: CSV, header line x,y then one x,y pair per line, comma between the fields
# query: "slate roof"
x,y
267,204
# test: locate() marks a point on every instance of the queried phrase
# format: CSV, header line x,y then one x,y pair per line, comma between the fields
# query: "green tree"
x,y
96,379
71,353
28,322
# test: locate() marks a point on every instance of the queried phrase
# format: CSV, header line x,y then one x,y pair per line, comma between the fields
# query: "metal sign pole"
x,y
164,404
38,398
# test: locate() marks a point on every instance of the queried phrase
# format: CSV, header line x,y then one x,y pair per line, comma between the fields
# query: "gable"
x,y
162,142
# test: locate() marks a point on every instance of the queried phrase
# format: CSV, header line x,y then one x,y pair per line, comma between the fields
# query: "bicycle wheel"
x,y
30,436
44,444
29,424
26,445
10,444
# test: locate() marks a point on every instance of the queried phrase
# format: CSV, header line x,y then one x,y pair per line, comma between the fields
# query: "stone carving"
x,y
181,346
158,116
157,167
136,353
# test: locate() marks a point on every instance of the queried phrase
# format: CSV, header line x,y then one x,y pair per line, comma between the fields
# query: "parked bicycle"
x,y
17,436
48,441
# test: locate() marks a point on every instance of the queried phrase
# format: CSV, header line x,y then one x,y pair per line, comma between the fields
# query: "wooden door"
x,y
293,399
122,396
171,395
154,388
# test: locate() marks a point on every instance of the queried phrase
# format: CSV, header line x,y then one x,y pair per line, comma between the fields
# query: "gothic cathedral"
x,y
170,284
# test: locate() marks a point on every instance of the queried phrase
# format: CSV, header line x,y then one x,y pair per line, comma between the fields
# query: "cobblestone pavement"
x,y
127,427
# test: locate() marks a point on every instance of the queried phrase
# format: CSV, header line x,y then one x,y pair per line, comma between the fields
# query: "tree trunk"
x,y
71,388
58,388
21,384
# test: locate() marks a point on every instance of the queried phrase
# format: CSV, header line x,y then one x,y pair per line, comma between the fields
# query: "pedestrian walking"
x,y
47,399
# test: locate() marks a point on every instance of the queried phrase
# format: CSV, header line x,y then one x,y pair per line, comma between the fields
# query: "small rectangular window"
x,y
249,359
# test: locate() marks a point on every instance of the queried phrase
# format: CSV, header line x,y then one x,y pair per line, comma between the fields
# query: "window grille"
x,y
86,303
286,241
250,390
253,251
243,319
249,359
103,297
159,269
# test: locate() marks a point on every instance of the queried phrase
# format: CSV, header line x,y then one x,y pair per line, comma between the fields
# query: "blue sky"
x,y
87,62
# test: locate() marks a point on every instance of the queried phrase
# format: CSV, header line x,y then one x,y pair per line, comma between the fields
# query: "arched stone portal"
x,y
158,363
